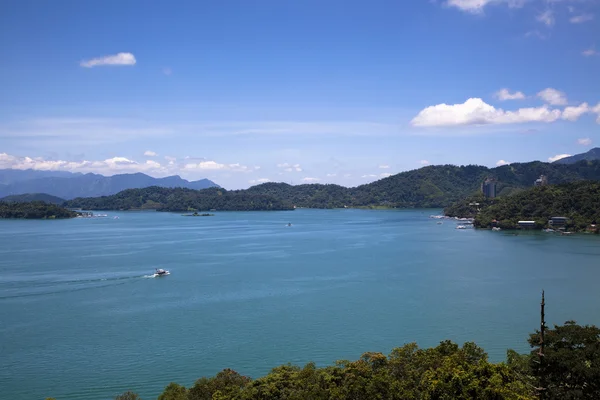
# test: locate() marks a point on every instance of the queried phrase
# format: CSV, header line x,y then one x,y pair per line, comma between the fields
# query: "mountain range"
x,y
68,185
434,186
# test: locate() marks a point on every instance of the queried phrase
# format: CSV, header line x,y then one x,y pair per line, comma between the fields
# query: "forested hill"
x,y
578,201
433,186
34,210
180,199
27,197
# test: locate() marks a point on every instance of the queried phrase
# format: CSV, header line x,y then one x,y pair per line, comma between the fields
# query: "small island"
x,y
195,214
34,210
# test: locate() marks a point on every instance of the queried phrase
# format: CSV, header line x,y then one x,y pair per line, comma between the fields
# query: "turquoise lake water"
x,y
81,319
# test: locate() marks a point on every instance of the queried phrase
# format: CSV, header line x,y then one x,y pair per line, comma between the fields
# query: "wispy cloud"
x,y
579,19
259,181
150,153
558,157
500,163
287,167
546,17
384,166
115,59
477,6
505,94
590,52
424,162
573,113
584,141
310,180
119,164
553,97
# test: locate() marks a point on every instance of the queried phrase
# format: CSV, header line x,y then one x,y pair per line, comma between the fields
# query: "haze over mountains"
x,y
68,185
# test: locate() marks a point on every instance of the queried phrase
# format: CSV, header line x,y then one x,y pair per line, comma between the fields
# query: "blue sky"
x,y
344,92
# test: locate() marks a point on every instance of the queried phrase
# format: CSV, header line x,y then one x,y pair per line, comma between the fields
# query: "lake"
x,y
81,316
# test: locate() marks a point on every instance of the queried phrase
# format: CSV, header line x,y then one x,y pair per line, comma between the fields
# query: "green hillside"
x,y
180,199
28,197
578,201
34,210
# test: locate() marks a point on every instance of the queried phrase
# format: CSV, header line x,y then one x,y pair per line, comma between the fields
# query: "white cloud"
x,y
505,94
573,113
310,180
547,18
558,157
476,112
169,158
477,6
384,166
596,110
287,167
259,181
215,166
331,175
579,19
115,59
553,97
109,166
150,153
385,175
500,163
369,176
424,162
584,141
590,52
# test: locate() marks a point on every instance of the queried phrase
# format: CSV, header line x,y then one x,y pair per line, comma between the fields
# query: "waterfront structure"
x,y
558,221
526,224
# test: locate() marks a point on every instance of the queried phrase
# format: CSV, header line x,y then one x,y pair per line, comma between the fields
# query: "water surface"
x,y
81,318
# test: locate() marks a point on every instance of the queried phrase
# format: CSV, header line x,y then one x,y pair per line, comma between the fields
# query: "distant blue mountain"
x,y
8,176
68,186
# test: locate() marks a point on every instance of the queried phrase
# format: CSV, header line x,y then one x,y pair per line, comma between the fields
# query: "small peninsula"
x,y
34,210
577,204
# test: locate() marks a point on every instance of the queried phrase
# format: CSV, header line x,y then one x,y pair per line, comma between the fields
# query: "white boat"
x,y
161,272
496,228
461,227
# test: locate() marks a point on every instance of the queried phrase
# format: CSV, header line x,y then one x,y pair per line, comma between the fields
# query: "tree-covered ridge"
x,y
432,186
27,197
568,369
34,210
180,199
578,201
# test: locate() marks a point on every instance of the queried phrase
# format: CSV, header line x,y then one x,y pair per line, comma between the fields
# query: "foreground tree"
x,y
571,364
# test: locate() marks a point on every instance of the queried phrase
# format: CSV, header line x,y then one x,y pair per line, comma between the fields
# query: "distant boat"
x,y
461,227
289,224
496,228
548,230
439,222
161,272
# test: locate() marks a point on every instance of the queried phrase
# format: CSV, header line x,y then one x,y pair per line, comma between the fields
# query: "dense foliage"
x,y
28,197
433,186
578,201
34,210
180,199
